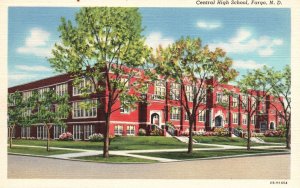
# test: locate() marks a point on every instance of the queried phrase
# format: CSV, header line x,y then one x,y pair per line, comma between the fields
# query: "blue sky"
x,y
251,37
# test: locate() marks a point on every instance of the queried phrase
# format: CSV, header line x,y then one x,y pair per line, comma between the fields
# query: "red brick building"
x,y
127,122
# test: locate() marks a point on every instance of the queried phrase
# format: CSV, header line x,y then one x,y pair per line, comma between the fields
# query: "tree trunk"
x,y
248,131
48,137
10,136
106,136
288,135
190,147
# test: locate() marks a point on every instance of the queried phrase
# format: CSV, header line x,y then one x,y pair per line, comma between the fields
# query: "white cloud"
x,y
208,25
21,76
33,68
155,39
248,64
244,42
37,43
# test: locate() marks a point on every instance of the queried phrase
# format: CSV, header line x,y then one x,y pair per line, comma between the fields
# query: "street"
x,y
258,167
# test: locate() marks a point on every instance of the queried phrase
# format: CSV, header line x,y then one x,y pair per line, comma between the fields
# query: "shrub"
x,y
66,136
274,133
142,132
155,132
210,133
221,131
96,137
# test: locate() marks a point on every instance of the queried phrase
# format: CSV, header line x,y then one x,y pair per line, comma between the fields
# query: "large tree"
x,y
106,47
255,89
281,93
17,113
49,109
197,69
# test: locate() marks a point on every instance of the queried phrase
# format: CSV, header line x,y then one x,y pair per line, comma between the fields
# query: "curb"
x,y
195,159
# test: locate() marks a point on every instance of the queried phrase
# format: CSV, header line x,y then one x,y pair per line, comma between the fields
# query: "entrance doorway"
x,y
218,121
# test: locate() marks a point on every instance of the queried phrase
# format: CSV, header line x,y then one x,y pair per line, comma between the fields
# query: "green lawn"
x,y
118,143
274,139
205,154
115,159
222,140
37,151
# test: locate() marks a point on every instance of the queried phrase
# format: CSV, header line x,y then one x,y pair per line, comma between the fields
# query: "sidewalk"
x,y
131,153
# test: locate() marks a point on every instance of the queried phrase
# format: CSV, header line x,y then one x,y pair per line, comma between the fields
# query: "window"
x,y
225,98
43,90
25,132
58,130
61,89
13,134
244,119
186,115
41,132
63,116
235,101
202,96
219,97
27,95
189,93
130,130
119,130
227,118
26,112
88,130
124,109
175,91
245,101
202,116
253,119
83,109
77,132
175,113
84,86
235,118
159,90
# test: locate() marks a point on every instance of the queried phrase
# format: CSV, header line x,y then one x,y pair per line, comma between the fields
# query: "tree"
x,y
197,70
17,109
106,47
255,89
281,91
49,109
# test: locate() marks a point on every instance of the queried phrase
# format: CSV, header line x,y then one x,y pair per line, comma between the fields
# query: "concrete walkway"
x,y
133,153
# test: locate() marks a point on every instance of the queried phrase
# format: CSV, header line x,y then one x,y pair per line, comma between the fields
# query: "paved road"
x,y
262,167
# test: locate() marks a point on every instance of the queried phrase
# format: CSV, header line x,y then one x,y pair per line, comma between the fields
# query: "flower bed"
x,y
65,136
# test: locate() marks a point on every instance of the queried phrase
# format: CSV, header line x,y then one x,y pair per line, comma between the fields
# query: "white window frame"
x,y
175,91
253,120
202,116
61,89
130,130
25,132
14,132
189,91
57,131
78,112
26,95
88,130
118,130
244,119
41,132
159,90
175,113
235,101
83,83
235,118
77,132
219,97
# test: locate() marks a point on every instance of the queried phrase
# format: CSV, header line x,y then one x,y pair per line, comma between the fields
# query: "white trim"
x,y
121,122
156,112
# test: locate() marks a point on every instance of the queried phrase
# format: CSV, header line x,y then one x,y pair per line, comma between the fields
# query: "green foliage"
x,y
96,137
49,108
142,132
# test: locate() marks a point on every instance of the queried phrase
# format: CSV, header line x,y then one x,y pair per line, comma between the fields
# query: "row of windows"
x,y
130,130
83,109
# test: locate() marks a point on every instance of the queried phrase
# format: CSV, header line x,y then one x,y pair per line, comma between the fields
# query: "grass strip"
x,y
37,151
115,159
206,153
